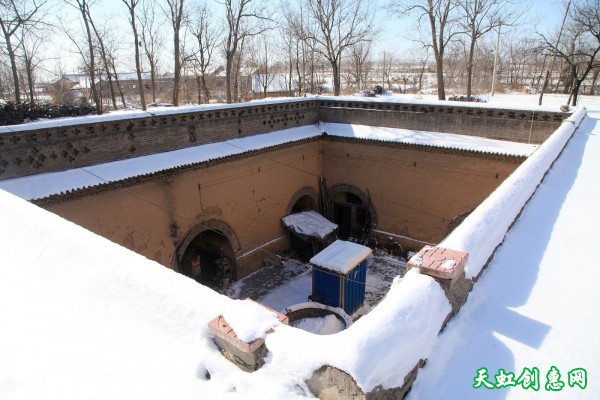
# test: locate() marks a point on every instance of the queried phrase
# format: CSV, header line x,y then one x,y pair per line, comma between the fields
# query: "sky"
x,y
396,33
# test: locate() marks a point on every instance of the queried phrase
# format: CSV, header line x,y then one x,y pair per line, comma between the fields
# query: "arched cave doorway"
x,y
304,199
207,254
352,211
304,203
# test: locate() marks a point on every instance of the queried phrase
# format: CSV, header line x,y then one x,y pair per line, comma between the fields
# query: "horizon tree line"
x,y
304,41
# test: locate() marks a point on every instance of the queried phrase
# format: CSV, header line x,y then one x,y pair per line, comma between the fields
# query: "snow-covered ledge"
x,y
484,229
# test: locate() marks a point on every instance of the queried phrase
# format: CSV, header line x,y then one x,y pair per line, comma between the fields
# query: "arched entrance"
x,y
207,255
304,199
352,210
304,203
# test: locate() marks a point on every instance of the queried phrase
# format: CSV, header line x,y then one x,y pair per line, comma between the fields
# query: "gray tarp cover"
x,y
308,224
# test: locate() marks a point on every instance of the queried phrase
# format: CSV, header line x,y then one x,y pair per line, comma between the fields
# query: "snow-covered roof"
x,y
43,185
434,139
131,76
341,256
84,79
46,184
309,224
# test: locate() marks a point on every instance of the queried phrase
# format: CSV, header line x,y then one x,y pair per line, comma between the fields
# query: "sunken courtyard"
x,y
230,206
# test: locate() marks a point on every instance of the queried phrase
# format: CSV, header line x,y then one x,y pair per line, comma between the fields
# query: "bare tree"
x,y
360,67
152,39
339,25
175,13
293,50
581,45
60,90
207,38
100,39
131,6
30,43
302,46
112,47
387,62
89,59
243,18
14,16
264,64
441,18
478,18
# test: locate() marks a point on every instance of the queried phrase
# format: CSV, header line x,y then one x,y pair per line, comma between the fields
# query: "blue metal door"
x,y
354,288
326,287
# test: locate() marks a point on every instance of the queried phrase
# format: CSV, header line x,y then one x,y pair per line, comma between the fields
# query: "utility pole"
x,y
496,58
554,56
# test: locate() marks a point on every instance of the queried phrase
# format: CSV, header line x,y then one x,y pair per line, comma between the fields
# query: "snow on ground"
x,y
551,102
435,139
85,318
295,291
537,303
282,287
327,325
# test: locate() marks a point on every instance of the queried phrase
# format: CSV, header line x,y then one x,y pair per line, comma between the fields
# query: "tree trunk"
x,y
119,86
138,67
111,88
29,73
470,67
106,64
92,66
336,77
594,80
439,63
205,88
177,72
13,65
228,71
575,92
438,54
199,89
153,78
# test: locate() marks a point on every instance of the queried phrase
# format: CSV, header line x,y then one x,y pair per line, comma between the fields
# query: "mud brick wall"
x,y
33,151
501,124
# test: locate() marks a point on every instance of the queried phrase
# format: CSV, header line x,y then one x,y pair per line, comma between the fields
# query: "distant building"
x,y
274,84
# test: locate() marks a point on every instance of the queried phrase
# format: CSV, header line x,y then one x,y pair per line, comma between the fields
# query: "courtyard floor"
x,y
281,287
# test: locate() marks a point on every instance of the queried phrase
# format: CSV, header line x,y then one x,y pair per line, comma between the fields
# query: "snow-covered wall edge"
x,y
380,349
484,229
